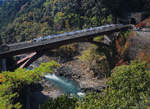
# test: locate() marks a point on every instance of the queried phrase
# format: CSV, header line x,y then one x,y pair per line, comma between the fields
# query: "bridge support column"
x,y
109,38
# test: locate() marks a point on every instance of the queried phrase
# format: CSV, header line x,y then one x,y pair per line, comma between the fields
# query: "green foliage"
x,y
62,102
91,101
27,19
36,18
46,67
8,14
68,51
128,87
98,38
14,83
95,61
109,19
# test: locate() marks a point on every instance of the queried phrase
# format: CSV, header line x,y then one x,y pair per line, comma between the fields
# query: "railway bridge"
x,y
38,46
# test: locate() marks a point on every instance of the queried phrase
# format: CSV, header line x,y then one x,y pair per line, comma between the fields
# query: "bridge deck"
x,y
66,38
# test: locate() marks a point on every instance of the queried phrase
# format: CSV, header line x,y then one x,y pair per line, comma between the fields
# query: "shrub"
x,y
46,67
14,84
62,102
98,38
68,51
91,101
95,61
128,87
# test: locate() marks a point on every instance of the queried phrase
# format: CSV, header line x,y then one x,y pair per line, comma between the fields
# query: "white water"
x,y
68,86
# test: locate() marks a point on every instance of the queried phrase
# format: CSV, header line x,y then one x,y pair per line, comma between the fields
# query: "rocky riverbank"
x,y
73,69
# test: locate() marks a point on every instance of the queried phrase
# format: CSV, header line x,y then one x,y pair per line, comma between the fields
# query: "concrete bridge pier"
x,y
109,38
108,47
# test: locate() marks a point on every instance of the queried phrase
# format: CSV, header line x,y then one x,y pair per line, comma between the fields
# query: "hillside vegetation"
x,y
14,86
128,77
128,88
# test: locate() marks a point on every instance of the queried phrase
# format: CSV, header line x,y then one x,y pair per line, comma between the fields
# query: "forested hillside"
x,y
32,18
22,20
113,75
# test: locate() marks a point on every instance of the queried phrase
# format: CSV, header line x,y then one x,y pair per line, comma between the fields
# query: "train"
x,y
74,32
55,36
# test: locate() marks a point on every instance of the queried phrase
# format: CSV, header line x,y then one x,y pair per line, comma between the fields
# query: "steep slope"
x,y
22,20
34,18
